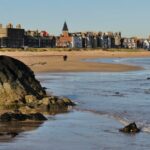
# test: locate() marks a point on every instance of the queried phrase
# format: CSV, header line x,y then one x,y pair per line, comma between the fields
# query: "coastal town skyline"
x,y
119,16
74,75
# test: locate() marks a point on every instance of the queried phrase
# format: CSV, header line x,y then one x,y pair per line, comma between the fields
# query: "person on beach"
x,y
65,57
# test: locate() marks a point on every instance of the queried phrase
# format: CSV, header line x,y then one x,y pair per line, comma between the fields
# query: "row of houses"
x,y
16,37
88,39
134,43
99,40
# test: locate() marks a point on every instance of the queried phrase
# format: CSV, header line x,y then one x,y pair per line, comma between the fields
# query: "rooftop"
x,y
65,27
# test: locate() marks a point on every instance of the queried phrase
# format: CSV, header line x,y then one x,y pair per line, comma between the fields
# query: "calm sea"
x,y
105,103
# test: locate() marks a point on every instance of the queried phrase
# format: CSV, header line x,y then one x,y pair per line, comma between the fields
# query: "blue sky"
x,y
131,17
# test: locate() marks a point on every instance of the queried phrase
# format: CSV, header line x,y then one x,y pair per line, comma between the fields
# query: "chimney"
x,y
18,26
9,25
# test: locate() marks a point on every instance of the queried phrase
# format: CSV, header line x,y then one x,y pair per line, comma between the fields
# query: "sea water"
x,y
105,103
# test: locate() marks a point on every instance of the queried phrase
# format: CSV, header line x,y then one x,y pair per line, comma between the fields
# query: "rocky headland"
x,y
21,95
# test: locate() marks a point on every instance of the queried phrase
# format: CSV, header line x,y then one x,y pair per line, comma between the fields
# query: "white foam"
x,y
146,129
121,120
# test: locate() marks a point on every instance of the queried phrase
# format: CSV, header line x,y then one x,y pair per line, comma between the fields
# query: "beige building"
x,y
3,31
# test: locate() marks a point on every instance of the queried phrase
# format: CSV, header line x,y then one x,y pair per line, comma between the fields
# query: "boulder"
x,y
27,110
68,102
45,101
131,128
30,99
17,81
37,117
10,116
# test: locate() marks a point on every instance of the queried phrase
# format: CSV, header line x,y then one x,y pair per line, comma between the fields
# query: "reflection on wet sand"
x,y
57,110
9,130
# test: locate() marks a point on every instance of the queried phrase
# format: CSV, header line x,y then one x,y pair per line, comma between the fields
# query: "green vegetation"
x,y
69,49
124,50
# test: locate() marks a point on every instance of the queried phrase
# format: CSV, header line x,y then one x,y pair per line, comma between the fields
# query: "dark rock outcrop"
x,y
16,81
48,105
131,128
20,91
8,134
36,117
9,116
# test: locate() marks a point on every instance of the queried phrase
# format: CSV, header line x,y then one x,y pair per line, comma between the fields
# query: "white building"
x,y
76,41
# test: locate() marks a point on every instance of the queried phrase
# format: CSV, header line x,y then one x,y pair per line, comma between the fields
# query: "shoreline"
x,y
52,61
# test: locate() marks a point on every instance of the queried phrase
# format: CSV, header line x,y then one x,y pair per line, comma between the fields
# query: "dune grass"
x,y
69,49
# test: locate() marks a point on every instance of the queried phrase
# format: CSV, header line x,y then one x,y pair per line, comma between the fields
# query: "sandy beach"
x,y
52,61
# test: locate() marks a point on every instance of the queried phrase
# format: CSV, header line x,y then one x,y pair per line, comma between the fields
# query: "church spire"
x,y
65,27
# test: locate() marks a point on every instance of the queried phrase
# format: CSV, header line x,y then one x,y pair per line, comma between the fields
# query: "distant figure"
x,y
65,57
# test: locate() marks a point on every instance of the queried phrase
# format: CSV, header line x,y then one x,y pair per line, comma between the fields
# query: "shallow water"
x,y
106,102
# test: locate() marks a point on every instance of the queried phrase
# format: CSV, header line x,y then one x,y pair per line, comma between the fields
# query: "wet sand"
x,y
52,61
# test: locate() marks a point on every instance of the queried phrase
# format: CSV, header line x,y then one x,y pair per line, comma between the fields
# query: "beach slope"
x,y
52,61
